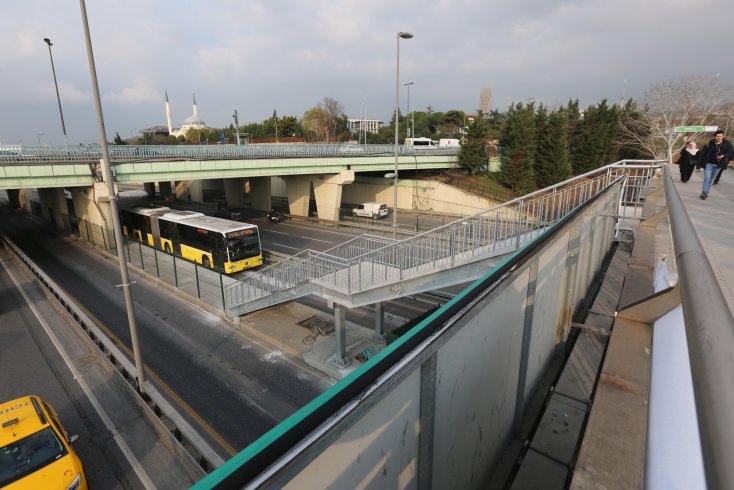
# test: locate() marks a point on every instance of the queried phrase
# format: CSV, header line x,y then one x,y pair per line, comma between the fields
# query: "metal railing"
x,y
710,332
130,153
368,261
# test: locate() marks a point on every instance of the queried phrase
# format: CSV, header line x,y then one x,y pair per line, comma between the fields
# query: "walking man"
x,y
716,156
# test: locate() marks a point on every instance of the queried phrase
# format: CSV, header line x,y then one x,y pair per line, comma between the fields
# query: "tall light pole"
x,y
401,35
407,122
107,174
58,97
39,138
237,126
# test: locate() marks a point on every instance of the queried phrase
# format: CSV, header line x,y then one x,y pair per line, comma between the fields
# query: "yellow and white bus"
x,y
215,243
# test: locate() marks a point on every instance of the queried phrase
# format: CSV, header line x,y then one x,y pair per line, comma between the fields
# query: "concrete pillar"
x,y
261,193
379,333
14,198
55,210
340,357
298,188
195,191
149,187
95,215
234,192
165,188
328,192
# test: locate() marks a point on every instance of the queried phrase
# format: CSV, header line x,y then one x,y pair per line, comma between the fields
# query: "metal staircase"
x,y
368,269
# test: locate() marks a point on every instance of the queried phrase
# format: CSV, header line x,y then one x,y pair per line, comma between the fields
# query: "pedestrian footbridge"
x,y
372,269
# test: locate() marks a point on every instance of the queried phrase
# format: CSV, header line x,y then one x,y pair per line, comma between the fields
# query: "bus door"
x,y
219,251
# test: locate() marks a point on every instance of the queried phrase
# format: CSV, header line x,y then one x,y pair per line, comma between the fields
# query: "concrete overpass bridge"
x,y
319,170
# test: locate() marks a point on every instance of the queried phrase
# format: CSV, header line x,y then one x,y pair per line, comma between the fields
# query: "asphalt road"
x,y
31,364
231,386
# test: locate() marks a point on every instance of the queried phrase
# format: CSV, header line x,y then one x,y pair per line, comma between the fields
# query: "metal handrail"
x,y
709,329
133,153
367,261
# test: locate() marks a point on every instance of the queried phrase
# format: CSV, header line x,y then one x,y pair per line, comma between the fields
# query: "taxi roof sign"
x,y
696,129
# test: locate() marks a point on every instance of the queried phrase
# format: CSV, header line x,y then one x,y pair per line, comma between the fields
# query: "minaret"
x,y
196,113
168,114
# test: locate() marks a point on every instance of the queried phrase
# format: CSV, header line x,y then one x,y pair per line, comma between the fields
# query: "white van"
x,y
448,143
371,210
420,142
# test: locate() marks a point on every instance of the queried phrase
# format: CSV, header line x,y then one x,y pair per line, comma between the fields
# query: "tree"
x,y
687,101
552,163
473,153
518,143
595,138
118,140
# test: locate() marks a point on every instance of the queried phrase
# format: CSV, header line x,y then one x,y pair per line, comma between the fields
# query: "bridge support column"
x,y
195,191
14,198
149,187
262,194
328,192
298,188
55,210
340,358
95,215
379,333
165,188
234,192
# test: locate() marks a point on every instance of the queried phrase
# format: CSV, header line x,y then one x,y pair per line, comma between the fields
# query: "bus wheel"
x,y
205,262
167,248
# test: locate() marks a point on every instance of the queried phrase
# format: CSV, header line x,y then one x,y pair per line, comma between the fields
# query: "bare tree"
x,y
485,101
687,101
333,109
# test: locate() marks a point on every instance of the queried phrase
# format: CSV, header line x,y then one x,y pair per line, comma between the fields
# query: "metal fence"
x,y
130,153
206,284
368,261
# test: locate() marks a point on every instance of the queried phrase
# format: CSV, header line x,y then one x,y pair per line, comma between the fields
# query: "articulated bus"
x,y
215,243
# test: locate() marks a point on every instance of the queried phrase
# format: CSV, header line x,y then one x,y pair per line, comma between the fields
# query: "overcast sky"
x,y
256,56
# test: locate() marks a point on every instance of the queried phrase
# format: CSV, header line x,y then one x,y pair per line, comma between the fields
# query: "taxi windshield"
x,y
29,454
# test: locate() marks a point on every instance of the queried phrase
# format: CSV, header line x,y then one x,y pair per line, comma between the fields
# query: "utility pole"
x,y
237,126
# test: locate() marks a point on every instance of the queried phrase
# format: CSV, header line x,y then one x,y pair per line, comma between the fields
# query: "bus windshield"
x,y
243,247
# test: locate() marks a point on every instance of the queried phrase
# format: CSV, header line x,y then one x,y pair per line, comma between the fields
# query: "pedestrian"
x,y
687,160
718,175
712,158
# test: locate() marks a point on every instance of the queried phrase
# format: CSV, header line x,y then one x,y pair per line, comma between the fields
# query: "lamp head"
x,y
47,41
405,35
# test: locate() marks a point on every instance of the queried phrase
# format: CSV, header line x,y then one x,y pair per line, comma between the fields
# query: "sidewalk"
x,y
713,220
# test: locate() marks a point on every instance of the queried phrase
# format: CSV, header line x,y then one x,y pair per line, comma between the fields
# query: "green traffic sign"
x,y
695,129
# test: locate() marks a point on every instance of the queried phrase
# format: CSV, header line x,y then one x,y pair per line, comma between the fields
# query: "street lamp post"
x,y
409,132
58,97
237,126
39,138
401,35
113,197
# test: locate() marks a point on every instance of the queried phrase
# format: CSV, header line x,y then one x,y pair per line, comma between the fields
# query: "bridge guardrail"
x,y
130,153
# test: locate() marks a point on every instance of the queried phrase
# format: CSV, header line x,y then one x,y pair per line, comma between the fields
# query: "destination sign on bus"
x,y
240,233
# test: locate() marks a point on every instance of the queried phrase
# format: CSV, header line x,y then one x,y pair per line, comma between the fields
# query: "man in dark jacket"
x,y
715,156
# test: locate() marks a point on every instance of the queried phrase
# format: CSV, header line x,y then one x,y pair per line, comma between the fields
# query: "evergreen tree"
x,y
518,143
118,140
553,164
473,153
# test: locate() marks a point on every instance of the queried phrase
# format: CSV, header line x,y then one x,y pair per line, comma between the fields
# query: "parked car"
x,y
371,210
35,450
232,213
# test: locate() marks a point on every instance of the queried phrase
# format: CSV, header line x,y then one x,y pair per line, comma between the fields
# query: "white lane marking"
x,y
286,246
126,451
323,230
304,237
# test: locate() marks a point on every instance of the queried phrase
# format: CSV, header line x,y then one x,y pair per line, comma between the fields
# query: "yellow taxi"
x,y
35,450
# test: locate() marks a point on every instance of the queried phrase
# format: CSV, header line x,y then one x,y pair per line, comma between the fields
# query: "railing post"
x,y
519,223
196,275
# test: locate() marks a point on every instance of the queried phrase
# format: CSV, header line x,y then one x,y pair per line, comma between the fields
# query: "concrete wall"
x,y
472,380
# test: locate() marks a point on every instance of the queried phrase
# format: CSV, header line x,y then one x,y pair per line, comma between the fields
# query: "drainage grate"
x,y
323,326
